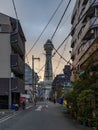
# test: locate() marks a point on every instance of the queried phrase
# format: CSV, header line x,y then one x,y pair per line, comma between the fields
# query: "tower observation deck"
x,y
48,74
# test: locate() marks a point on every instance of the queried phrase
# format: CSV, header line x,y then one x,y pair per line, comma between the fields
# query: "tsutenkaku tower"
x,y
48,47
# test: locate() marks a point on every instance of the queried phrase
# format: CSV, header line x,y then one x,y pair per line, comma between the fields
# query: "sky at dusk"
x,y
34,16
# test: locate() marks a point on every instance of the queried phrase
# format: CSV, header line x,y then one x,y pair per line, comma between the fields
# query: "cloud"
x,y
34,15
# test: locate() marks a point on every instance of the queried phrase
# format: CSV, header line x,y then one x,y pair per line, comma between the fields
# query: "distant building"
x,y
84,33
67,73
12,60
59,81
62,80
28,74
29,89
28,81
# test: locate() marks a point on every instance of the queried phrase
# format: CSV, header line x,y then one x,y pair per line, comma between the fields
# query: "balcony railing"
x,y
17,64
92,45
95,3
94,22
83,53
17,43
89,3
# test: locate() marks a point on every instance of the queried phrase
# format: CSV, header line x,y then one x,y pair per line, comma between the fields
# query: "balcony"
x,y
91,23
90,48
17,43
17,64
94,22
76,31
89,3
17,85
85,30
83,50
95,3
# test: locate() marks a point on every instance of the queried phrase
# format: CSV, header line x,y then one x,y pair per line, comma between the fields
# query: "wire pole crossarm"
x,y
62,57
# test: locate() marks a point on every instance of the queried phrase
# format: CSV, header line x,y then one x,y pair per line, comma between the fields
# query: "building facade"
x,y
84,34
12,60
28,82
29,88
64,79
67,73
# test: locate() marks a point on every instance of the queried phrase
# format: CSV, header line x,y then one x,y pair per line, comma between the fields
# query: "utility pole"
x,y
33,74
9,93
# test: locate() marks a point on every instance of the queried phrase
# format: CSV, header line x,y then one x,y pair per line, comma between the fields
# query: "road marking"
x,y
7,117
39,108
10,115
28,107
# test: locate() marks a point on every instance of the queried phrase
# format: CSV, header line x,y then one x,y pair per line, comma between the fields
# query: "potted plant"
x,y
95,125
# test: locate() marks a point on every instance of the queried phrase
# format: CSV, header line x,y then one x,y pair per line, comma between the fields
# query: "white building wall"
x,y
5,47
5,51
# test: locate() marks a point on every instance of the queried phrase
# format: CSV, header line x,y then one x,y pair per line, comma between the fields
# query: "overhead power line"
x,y
61,19
58,64
67,61
45,27
62,56
56,50
74,28
15,9
15,14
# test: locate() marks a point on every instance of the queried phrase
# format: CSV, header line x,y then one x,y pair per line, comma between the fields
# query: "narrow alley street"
x,y
43,116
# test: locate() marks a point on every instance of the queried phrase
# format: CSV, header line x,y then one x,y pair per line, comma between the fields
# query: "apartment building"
x,y
29,81
84,34
12,60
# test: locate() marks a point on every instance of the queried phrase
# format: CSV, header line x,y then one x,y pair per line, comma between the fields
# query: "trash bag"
x,y
61,100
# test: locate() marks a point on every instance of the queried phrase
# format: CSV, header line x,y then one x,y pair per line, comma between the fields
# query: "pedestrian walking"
x,y
61,100
54,100
23,105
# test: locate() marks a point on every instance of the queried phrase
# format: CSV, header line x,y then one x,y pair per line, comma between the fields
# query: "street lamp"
x,y
33,74
9,92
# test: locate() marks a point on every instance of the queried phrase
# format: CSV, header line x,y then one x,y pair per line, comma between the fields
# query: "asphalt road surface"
x,y
42,117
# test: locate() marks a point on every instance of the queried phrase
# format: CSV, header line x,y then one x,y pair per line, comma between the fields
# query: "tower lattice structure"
x,y
48,47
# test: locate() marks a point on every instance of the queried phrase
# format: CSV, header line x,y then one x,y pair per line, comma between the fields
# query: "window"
x,y
4,28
